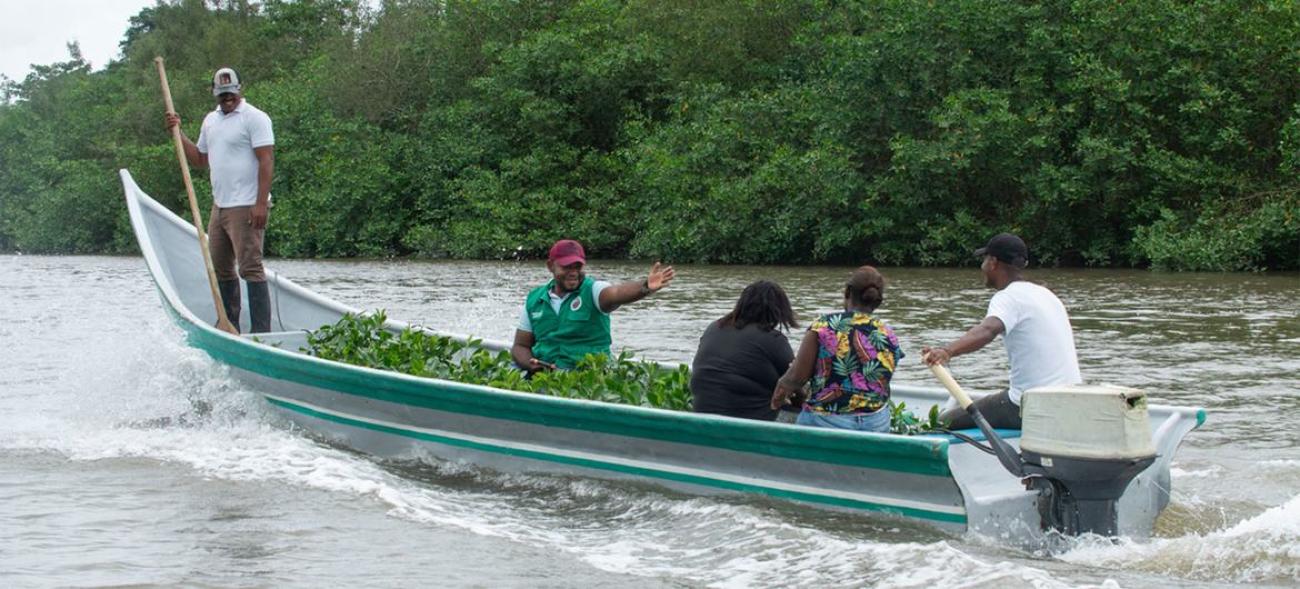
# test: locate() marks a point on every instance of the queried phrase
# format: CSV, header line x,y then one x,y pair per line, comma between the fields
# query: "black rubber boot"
x,y
259,306
230,299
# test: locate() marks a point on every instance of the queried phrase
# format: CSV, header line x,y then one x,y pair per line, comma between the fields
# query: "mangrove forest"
x,y
1161,133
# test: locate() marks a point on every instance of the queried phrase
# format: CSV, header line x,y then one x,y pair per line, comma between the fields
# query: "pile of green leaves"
x,y
902,421
362,340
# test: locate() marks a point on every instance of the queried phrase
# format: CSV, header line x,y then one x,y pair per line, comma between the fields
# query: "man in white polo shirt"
x,y
1035,328
237,143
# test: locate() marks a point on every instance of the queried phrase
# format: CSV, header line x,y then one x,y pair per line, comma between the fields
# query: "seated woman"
x,y
850,357
742,355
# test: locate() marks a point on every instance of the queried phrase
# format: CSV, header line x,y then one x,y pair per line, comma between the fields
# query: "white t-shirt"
x,y
526,324
1038,337
229,139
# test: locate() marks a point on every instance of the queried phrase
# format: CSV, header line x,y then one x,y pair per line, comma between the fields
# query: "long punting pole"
x,y
223,322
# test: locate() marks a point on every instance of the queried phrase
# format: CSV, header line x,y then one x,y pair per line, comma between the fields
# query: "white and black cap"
x,y
224,81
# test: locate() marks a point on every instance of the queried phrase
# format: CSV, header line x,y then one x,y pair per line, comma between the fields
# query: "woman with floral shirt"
x,y
850,357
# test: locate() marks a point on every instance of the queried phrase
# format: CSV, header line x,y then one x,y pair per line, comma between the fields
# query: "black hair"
x,y
762,303
866,287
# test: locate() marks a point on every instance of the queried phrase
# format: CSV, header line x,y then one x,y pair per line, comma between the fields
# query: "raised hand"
x,y
659,277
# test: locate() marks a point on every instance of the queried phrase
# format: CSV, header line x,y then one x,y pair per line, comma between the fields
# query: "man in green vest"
x,y
568,317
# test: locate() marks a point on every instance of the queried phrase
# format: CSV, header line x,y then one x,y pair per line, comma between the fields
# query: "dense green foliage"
x,y
1162,133
361,340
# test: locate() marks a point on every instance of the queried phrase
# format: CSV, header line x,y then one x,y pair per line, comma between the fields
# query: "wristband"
x,y
645,287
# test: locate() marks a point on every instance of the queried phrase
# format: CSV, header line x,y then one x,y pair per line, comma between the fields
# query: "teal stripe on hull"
x,y
640,471
914,455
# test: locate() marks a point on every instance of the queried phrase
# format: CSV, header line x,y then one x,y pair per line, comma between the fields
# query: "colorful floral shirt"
x,y
856,357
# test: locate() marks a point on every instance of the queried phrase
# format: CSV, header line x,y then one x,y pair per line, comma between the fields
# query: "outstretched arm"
x,y
974,339
618,295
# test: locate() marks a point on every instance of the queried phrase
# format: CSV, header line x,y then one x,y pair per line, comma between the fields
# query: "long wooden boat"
x,y
938,480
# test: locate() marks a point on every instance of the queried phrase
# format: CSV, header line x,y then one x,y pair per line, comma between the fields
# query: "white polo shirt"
x,y
1038,337
229,140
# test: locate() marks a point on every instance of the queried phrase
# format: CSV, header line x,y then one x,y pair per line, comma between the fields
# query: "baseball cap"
x,y
567,251
225,80
1006,247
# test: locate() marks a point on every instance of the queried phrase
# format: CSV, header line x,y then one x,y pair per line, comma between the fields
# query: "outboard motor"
x,y
1081,446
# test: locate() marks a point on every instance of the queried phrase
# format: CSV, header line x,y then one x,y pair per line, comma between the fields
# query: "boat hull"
x,y
393,415
935,480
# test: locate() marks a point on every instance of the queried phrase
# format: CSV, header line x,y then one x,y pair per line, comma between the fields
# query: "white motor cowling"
x,y
1100,422
1081,447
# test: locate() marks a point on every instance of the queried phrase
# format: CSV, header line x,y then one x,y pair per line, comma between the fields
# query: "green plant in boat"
x,y
902,421
363,340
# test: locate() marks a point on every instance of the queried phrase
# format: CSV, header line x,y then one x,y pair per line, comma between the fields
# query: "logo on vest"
x,y
537,314
576,304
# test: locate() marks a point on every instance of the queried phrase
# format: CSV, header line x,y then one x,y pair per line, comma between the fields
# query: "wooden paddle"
x,y
1007,455
941,372
223,322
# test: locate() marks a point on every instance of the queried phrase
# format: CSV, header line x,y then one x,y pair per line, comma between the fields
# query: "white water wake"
x,y
152,397
1261,549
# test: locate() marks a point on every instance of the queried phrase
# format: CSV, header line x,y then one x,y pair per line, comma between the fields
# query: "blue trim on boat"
x,y
975,434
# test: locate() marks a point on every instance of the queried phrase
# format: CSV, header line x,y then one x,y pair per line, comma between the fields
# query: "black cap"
x,y
1006,247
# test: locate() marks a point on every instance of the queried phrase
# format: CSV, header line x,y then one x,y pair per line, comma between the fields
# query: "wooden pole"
x,y
941,372
223,322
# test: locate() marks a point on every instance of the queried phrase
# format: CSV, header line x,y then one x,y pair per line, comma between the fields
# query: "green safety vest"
x,y
577,330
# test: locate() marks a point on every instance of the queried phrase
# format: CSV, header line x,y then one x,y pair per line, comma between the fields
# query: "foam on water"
x,y
1288,466
1264,548
1212,471
157,399
167,402
141,393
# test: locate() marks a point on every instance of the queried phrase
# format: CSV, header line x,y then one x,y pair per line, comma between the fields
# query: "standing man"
x,y
237,143
1035,328
568,317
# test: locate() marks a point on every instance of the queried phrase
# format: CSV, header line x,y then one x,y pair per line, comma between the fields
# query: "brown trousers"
x,y
232,239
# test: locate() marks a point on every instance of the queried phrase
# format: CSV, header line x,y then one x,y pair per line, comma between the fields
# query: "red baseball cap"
x,y
567,251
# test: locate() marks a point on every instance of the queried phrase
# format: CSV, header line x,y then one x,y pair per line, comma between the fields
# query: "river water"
x,y
109,476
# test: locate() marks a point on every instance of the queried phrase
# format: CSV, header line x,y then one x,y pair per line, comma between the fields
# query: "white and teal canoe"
x,y
937,480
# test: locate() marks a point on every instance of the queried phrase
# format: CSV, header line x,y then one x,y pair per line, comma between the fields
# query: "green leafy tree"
x,y
1160,133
